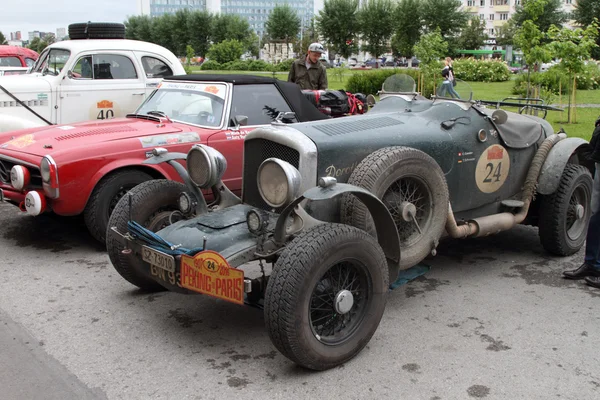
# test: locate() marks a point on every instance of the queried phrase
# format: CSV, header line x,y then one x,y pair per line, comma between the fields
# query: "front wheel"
x,y
564,214
152,204
326,295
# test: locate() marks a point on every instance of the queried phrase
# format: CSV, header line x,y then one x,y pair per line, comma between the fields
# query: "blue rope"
x,y
154,241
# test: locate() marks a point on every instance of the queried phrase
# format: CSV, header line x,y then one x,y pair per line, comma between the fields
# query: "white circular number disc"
x,y
492,169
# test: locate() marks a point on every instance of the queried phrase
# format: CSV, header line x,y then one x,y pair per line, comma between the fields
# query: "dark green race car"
x,y
335,211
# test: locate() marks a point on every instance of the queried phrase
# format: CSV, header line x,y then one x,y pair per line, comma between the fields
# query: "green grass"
x,y
585,117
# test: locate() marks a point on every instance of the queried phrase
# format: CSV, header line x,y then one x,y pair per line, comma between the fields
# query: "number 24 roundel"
x,y
492,169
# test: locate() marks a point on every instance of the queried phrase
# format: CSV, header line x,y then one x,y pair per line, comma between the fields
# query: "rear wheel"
x,y
152,205
326,295
565,214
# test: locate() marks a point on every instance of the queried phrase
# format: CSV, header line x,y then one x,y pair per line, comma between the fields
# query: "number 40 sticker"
x,y
492,169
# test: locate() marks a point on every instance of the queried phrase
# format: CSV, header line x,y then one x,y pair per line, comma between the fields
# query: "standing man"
x,y
307,72
590,269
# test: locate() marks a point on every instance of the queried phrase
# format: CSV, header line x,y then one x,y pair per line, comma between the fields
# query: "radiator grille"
x,y
6,166
255,152
341,128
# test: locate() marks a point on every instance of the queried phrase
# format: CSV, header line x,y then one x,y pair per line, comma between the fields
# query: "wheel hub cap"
x,y
579,211
344,301
408,211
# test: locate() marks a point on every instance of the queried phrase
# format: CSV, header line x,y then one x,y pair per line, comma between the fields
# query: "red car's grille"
x,y
97,131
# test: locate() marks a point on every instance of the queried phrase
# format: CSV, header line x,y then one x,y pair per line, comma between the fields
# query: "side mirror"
x,y
499,117
370,100
240,120
70,74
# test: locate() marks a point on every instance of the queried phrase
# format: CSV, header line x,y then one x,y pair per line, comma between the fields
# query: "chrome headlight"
x,y
278,182
185,203
205,165
45,170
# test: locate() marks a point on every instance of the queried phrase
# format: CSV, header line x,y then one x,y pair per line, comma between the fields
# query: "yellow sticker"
x,y
492,169
209,273
21,141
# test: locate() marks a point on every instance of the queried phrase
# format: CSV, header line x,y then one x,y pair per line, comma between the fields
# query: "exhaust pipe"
x,y
492,224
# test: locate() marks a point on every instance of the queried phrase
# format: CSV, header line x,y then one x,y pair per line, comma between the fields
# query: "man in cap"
x,y
307,72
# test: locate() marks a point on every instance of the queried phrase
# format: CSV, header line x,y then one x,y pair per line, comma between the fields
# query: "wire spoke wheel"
x,y
337,304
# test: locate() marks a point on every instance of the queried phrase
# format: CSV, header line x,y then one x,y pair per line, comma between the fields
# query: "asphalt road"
x,y
492,319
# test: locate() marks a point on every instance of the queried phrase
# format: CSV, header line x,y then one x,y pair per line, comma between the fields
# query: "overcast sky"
x,y
48,15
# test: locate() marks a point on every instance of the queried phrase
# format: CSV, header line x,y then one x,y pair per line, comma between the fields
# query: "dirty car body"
x,y
341,207
86,167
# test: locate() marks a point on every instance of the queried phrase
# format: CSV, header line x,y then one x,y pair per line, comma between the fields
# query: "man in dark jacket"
x,y
590,269
307,72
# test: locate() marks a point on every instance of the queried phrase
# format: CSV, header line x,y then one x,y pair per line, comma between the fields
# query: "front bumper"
x,y
226,235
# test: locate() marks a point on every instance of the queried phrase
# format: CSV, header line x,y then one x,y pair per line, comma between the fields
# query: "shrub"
x,y
238,66
285,65
555,78
470,69
210,65
370,82
259,65
227,50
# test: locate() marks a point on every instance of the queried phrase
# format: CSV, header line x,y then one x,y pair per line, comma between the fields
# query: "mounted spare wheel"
x,y
97,30
153,204
326,295
564,215
412,186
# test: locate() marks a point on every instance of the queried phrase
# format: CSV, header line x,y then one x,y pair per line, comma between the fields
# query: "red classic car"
x,y
87,167
15,60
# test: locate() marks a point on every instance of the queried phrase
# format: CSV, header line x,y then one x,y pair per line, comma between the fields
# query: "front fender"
x,y
555,163
387,234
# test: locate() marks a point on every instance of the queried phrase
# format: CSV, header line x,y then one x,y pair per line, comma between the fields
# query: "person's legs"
x,y
591,265
452,91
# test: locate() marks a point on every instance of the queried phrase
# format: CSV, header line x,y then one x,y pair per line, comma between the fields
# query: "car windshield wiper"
x,y
159,113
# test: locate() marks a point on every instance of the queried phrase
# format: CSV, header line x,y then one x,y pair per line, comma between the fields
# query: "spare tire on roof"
x,y
97,30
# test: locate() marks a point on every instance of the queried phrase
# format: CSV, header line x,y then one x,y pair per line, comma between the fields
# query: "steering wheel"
x,y
203,116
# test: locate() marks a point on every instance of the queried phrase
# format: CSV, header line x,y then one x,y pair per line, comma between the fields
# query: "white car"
x,y
81,80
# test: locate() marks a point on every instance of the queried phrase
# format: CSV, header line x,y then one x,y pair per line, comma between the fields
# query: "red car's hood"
x,y
46,140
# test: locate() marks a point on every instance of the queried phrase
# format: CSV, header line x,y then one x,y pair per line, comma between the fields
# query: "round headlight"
x,y
45,170
255,221
205,165
185,203
19,177
278,182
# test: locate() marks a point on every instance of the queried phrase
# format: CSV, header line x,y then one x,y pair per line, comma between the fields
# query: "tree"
x,y
473,35
283,23
2,39
445,15
505,34
338,24
543,12
225,51
584,13
408,23
139,28
199,26
430,49
309,35
375,19
573,47
232,27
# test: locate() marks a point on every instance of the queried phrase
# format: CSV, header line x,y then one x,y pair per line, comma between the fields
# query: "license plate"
x,y
209,273
158,259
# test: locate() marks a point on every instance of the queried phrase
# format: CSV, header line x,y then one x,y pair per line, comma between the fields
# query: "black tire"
x,y
149,202
302,272
105,197
561,232
390,173
96,30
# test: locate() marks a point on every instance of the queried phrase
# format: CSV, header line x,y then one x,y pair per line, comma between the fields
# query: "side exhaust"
x,y
492,224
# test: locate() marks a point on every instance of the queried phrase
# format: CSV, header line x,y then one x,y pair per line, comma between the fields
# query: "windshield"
x,y
456,90
193,103
399,83
52,62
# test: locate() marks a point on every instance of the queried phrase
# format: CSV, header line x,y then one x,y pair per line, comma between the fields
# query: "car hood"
x,y
58,138
30,84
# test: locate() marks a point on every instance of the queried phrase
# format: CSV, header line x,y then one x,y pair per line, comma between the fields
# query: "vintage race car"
x,y
343,208
87,167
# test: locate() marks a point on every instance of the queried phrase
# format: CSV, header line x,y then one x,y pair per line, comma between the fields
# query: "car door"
x,y
155,70
261,103
101,85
